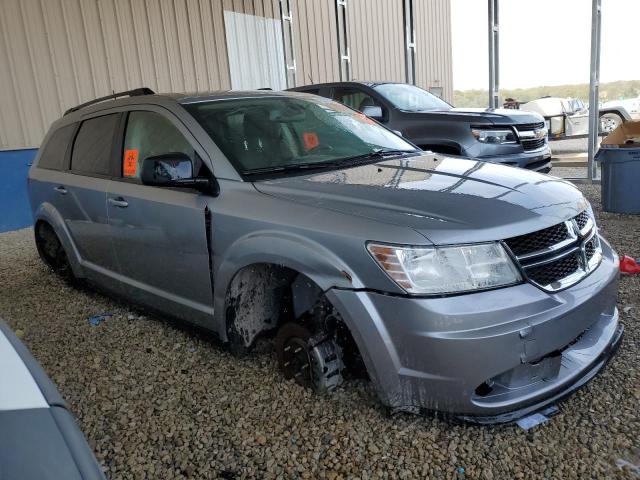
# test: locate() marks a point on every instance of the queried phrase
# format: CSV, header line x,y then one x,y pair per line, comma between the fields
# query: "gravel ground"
x,y
161,401
569,145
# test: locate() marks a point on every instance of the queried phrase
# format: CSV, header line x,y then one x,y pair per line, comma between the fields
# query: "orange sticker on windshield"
x,y
311,140
130,163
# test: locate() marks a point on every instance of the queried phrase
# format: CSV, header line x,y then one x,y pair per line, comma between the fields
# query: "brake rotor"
x,y
297,362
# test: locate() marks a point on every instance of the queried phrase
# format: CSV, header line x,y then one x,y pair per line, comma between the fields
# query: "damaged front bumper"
x,y
487,357
584,360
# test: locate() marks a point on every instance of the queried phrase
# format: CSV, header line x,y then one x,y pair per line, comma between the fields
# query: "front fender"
x,y
618,111
292,251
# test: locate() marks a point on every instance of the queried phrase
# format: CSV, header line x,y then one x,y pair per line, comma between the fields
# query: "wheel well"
x,y
258,300
262,297
616,112
446,149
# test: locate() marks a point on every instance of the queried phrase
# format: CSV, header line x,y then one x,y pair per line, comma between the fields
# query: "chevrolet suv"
x,y
460,286
510,137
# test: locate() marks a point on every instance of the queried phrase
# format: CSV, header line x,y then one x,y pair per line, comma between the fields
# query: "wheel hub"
x,y
608,125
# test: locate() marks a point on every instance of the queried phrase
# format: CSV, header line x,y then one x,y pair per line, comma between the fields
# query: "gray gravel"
x,y
569,146
161,401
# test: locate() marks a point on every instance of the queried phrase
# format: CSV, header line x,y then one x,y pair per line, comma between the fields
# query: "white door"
x,y
255,50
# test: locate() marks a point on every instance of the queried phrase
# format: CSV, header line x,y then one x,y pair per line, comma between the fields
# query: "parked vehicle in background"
x,y
631,105
39,438
569,117
499,136
458,285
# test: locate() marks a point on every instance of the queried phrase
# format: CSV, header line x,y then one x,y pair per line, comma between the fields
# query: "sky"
x,y
544,42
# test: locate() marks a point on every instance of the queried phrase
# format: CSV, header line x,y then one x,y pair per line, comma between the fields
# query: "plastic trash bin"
x,y
619,157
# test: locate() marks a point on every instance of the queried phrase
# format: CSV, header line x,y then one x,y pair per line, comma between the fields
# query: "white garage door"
x,y
256,55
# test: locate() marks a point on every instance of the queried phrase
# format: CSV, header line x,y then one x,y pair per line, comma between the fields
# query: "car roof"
x,y
366,83
75,113
184,98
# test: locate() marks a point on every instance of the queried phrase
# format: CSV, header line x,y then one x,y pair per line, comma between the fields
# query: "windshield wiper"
x,y
376,154
287,168
342,162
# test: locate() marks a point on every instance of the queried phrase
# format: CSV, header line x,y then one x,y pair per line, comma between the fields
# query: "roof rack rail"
x,y
136,92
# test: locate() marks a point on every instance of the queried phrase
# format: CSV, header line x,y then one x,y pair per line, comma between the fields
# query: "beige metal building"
x,y
58,53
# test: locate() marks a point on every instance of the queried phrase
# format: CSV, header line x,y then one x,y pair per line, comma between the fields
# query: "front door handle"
x,y
119,202
61,190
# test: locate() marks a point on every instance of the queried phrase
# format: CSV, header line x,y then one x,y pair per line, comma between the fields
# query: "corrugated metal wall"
x,y
376,39
59,53
433,46
55,54
315,41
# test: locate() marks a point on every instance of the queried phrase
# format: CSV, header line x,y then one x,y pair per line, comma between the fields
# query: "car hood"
x,y
487,116
448,200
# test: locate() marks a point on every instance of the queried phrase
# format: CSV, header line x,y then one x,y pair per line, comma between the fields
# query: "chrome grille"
x,y
552,272
582,219
591,247
559,256
537,241
533,144
523,127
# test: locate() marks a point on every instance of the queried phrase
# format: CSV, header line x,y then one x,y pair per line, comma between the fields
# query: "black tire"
x,y
52,252
312,361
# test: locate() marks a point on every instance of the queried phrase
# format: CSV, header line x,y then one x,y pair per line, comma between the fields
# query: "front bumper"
x,y
436,353
538,161
584,364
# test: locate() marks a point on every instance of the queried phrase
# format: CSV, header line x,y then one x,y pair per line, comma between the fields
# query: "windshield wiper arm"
x,y
288,168
376,154
380,153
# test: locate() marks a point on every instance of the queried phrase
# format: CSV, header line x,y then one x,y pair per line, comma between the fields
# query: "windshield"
x,y
279,133
410,98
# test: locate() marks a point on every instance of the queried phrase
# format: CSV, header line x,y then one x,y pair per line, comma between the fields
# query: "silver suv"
x,y
460,286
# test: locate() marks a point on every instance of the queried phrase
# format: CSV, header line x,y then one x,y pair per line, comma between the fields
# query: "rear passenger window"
x,y
54,152
150,134
93,146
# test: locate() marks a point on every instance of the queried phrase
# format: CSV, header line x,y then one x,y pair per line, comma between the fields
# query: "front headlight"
x,y
441,270
494,136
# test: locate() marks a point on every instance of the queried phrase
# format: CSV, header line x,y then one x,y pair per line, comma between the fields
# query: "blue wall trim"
x,y
15,211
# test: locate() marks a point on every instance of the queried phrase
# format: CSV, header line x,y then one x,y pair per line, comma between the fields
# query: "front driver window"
x,y
150,134
354,98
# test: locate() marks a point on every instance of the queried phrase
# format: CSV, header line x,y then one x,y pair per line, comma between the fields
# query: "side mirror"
x,y
175,170
166,170
373,111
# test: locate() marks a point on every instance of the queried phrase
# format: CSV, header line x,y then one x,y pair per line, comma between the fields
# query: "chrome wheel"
x,y
609,122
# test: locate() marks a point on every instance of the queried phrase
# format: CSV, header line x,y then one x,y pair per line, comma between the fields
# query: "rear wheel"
x,y
51,251
313,361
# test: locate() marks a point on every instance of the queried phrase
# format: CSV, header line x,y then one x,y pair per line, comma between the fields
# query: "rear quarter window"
x,y
92,150
54,152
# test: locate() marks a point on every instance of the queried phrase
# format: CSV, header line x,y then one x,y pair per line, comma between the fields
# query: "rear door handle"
x,y
61,190
119,202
